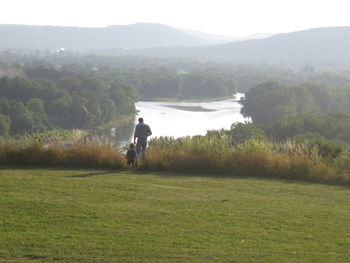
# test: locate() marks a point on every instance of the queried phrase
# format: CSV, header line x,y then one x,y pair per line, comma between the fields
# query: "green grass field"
x,y
49,215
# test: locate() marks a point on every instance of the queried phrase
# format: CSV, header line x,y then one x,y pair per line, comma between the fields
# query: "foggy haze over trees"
x,y
140,35
283,76
317,46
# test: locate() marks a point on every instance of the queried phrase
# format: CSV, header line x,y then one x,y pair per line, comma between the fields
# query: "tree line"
x,y
272,101
84,90
80,101
174,72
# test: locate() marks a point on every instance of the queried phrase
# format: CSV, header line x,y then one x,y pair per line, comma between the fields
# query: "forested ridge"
x,y
33,37
84,91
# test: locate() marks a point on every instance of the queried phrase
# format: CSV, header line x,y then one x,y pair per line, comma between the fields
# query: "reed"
x,y
198,154
91,155
253,157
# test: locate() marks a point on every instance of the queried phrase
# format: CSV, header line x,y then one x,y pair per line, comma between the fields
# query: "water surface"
x,y
179,119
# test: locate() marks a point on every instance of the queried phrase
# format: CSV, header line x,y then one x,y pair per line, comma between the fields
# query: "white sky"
x,y
225,17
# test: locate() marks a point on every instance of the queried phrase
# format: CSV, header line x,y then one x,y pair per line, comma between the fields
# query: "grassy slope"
x,y
106,216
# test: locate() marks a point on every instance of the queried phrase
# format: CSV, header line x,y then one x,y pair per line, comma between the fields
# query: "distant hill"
x,y
321,43
332,42
214,39
142,35
219,39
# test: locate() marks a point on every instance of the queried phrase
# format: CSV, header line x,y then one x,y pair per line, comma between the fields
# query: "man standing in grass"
x,y
142,131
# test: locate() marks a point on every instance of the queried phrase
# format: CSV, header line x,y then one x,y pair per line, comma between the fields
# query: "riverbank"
x,y
120,122
124,124
90,216
189,108
172,99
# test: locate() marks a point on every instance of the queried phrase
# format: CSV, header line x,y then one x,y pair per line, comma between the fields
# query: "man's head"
x,y
140,120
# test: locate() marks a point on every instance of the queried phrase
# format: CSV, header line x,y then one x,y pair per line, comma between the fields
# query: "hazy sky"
x,y
225,17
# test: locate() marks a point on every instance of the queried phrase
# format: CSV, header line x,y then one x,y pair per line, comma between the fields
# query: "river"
x,y
179,119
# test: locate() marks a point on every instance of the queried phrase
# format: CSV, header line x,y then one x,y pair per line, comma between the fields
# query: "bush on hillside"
x,y
90,155
210,154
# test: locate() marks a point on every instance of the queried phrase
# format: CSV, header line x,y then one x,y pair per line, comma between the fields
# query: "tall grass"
x,y
252,157
91,155
199,154
57,136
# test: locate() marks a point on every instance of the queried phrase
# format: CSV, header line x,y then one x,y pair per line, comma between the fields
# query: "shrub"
x,y
254,157
90,155
326,148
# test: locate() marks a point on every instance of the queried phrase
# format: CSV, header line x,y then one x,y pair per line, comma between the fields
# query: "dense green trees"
x,y
124,96
333,126
150,80
166,83
166,77
5,124
79,101
273,101
309,112
21,118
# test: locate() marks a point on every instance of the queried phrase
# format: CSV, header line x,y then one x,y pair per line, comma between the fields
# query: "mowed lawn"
x,y
49,215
